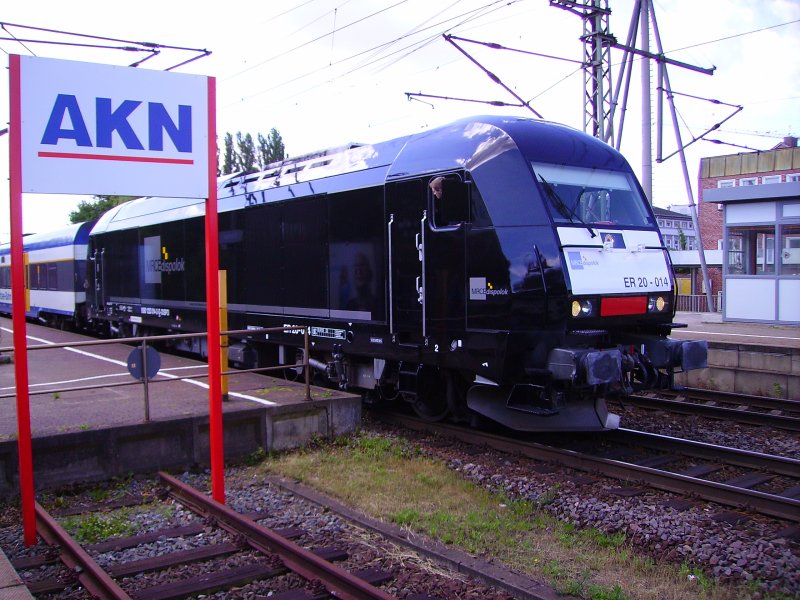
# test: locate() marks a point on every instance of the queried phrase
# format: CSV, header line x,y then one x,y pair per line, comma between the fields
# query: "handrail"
x,y
144,340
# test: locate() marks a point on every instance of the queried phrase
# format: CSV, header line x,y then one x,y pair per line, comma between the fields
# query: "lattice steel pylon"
x,y
600,104
597,43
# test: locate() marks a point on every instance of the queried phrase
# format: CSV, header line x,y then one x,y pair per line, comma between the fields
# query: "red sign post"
x,y
18,309
83,128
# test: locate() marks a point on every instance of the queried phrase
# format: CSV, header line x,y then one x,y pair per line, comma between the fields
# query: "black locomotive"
x,y
503,267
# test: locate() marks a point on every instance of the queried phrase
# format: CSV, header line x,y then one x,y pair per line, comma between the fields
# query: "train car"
x,y
500,268
55,276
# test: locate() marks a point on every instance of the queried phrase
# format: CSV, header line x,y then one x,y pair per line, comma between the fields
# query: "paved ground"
x,y
58,368
709,326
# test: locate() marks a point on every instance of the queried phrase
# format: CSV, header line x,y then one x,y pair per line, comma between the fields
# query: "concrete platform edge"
x,y
104,453
11,586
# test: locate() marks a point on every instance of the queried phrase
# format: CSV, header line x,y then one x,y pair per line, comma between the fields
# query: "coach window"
x,y
52,276
790,250
751,250
448,201
34,281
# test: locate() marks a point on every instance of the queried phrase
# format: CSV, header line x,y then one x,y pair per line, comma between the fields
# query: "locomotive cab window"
x,y
591,196
448,201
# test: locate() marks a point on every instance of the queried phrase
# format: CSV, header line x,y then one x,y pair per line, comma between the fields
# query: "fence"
x,y
147,379
699,303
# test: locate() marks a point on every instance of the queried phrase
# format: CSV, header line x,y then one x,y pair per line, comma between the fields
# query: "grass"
x,y
390,479
88,529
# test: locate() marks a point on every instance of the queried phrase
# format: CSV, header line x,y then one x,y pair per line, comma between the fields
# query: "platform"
x,y
709,326
96,434
746,358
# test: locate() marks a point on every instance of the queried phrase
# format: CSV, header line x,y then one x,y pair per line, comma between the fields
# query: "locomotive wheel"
x,y
431,411
431,402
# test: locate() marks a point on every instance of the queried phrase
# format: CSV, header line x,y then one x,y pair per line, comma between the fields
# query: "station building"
x,y
749,208
679,235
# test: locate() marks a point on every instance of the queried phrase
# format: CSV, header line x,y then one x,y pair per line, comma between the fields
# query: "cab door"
x,y
406,216
444,261
427,237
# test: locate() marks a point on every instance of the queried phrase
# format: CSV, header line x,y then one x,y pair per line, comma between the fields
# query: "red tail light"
x,y
626,305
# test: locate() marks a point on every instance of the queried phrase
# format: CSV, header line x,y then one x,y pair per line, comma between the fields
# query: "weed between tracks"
x,y
392,480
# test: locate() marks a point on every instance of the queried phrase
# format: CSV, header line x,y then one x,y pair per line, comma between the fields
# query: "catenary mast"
x,y
600,105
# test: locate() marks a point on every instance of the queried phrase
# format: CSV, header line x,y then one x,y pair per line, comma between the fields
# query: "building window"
x,y
748,181
771,179
751,250
790,250
726,183
793,177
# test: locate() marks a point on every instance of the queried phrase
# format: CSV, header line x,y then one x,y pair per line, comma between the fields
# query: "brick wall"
x,y
711,229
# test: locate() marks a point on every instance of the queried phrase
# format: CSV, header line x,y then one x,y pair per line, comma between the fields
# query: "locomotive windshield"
x,y
591,196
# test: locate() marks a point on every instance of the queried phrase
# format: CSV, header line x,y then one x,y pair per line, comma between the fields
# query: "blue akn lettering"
x,y
66,104
110,120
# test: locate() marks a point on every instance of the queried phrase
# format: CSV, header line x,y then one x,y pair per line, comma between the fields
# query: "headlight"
x,y
583,308
658,303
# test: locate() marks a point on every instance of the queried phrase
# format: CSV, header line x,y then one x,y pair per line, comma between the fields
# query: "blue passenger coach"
x,y
533,288
55,275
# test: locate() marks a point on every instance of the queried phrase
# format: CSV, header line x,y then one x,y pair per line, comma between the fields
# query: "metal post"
x,y
684,169
24,442
223,325
145,379
647,128
306,363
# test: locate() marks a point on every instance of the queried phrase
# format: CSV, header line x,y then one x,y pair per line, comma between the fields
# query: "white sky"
x,y
328,72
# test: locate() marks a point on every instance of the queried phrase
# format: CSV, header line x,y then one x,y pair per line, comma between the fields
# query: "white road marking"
x,y
123,364
747,335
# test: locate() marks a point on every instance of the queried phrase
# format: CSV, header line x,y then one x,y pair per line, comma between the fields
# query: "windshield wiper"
x,y
565,211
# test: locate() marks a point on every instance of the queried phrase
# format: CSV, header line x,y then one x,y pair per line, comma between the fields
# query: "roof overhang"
x,y
753,193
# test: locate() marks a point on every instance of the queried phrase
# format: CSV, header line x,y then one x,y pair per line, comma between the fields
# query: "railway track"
x,y
262,554
727,476
741,408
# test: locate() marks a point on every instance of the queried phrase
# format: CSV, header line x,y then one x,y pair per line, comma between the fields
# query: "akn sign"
x,y
106,130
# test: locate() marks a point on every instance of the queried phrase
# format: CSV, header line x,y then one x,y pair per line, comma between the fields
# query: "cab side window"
x,y
448,200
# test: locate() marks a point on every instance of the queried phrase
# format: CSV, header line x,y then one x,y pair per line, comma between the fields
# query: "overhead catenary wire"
x,y
3,25
465,18
130,45
414,96
493,77
311,41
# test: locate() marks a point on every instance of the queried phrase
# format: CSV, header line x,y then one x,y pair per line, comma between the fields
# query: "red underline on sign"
x,y
144,159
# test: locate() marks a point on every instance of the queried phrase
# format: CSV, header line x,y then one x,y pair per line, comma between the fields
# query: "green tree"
x,y
246,152
89,210
228,156
682,242
263,152
242,154
275,149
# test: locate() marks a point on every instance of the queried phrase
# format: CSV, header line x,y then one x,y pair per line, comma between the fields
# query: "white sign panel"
x,y
106,130
614,261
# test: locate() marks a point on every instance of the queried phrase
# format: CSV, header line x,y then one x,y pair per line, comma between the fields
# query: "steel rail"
x,y
303,562
717,412
768,504
780,465
764,402
96,581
